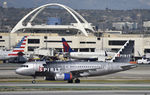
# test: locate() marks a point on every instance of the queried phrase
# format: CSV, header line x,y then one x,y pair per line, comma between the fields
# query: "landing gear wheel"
x,y
33,81
70,81
77,81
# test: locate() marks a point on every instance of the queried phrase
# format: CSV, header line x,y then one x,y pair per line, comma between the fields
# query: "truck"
x,y
143,61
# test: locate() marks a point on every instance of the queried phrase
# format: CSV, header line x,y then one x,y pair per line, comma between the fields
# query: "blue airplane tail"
x,y
66,47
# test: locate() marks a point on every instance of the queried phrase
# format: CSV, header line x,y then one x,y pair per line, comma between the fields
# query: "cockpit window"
x,y
24,66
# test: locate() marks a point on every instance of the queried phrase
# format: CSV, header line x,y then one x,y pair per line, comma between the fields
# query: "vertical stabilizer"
x,y
124,54
66,46
20,47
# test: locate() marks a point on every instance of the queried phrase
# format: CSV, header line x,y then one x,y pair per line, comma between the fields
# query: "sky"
x,y
83,4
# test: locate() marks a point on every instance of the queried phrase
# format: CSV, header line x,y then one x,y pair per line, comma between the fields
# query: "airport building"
x,y
146,25
79,43
124,25
81,36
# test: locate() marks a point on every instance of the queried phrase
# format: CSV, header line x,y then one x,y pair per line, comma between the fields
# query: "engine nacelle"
x,y
65,76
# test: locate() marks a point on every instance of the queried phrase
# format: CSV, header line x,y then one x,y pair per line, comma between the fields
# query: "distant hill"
x,y
83,4
101,18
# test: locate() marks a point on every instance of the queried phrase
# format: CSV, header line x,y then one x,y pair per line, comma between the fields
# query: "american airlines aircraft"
x,y
70,71
101,55
5,55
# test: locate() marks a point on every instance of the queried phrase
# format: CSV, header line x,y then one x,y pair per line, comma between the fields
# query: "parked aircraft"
x,y
5,55
70,71
101,55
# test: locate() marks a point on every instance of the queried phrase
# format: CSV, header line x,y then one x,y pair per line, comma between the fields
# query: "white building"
x,y
78,42
146,24
124,25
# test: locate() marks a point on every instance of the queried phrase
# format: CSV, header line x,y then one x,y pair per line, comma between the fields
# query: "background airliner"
x,y
100,56
71,71
4,55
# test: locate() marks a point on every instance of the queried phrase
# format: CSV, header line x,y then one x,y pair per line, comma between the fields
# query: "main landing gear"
x,y
76,81
70,81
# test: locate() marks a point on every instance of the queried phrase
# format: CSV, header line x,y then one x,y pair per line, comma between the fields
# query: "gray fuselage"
x,y
77,69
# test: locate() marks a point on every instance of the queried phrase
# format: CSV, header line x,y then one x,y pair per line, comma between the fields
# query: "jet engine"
x,y
65,76
59,76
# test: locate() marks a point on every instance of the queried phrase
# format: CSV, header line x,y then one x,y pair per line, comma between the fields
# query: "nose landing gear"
x,y
33,81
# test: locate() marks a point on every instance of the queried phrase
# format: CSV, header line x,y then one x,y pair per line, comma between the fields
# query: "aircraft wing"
x,y
77,72
128,67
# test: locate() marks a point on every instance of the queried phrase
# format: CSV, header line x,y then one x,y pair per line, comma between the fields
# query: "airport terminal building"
x,y
79,43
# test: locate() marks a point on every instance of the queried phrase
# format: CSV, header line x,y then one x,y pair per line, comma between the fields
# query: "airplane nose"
x,y
24,71
18,71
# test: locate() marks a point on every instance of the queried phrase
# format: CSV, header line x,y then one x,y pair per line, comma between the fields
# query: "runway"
x,y
67,87
75,85
106,92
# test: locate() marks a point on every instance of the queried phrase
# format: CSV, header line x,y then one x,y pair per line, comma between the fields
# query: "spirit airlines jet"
x,y
70,71
5,55
83,55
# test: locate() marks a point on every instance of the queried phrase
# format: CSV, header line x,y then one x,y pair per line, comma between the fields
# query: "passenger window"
x,y
24,66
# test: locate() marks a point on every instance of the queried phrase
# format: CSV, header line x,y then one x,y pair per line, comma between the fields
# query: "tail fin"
x,y
20,47
66,47
124,54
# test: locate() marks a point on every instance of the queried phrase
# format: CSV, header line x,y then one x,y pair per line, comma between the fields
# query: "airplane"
x,y
73,70
92,56
5,55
